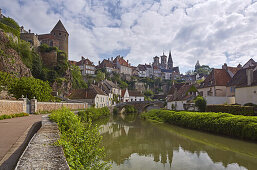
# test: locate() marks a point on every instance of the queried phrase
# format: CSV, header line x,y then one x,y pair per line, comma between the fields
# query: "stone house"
x,y
182,97
156,71
141,70
94,96
29,37
112,90
135,96
244,86
86,66
213,88
122,65
107,64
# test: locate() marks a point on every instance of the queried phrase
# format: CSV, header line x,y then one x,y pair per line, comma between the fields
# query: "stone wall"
x,y
49,58
16,106
48,106
12,106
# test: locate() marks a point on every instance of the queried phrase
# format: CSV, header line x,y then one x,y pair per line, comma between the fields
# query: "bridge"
x,y
142,105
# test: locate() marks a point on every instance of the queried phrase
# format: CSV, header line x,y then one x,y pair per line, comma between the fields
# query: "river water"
x,y
131,143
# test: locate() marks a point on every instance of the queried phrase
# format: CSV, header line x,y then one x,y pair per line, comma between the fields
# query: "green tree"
x,y
148,95
99,76
31,88
200,103
203,70
77,79
5,80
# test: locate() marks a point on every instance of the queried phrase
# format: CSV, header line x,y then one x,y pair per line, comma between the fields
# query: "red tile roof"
x,y
85,61
121,61
106,63
89,93
217,77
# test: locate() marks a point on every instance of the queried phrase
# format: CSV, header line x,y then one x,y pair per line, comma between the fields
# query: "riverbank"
x,y
240,127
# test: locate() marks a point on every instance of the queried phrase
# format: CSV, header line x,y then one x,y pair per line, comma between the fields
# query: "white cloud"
x,y
212,31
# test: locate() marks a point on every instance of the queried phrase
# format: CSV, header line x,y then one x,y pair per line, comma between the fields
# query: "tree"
x,y
200,103
148,95
31,87
99,76
77,79
203,70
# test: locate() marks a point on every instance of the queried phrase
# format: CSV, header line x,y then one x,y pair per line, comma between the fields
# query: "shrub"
x,y
200,103
130,109
9,25
13,115
93,113
238,126
232,109
80,141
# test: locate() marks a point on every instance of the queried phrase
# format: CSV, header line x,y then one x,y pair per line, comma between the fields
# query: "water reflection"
x,y
141,145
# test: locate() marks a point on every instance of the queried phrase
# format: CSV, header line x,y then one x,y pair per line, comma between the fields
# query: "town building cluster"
x,y
228,85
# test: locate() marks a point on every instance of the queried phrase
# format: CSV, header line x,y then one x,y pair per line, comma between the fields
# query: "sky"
x,y
211,31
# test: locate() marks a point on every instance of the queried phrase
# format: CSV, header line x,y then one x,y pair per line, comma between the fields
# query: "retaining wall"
x,y
48,106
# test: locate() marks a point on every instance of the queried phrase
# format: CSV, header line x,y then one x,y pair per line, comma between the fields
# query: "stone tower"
x,y
163,61
156,61
60,33
170,61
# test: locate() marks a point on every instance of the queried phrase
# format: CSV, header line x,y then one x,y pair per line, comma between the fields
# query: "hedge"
x,y
232,109
93,113
238,126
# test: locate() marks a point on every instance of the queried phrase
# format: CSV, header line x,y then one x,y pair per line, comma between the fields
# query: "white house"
x,y
135,96
94,96
125,95
182,98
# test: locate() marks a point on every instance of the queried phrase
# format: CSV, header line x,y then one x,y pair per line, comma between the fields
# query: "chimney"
x,y
127,61
108,59
249,76
112,59
225,66
29,30
98,62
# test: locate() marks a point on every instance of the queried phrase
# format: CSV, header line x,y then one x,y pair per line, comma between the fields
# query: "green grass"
x,y
13,115
237,126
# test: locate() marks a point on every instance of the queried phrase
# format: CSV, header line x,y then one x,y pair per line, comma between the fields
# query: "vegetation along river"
x,y
132,143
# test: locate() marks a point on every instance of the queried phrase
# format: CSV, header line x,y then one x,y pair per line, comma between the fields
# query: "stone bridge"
x,y
142,105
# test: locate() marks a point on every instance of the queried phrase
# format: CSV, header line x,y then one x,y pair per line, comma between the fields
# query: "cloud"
x,y
212,31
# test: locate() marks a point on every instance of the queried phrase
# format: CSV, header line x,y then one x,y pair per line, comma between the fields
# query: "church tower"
x,y
163,61
60,33
170,61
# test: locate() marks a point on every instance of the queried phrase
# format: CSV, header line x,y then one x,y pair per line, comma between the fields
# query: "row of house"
x,y
161,69
105,94
228,85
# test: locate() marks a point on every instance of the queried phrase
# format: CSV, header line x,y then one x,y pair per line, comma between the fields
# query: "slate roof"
x,y
240,79
217,77
60,27
141,67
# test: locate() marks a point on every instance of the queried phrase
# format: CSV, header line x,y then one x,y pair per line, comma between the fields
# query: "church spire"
x,y
170,61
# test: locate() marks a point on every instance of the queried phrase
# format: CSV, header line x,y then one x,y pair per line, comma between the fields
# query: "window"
x,y
60,33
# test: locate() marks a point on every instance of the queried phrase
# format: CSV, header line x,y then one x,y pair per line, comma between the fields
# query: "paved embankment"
x,y
14,136
41,153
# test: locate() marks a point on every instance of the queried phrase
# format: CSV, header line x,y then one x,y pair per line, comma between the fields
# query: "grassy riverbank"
x,y
241,127
80,139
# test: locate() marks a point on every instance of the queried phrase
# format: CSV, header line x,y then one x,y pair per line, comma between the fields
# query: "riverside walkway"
x,y
15,134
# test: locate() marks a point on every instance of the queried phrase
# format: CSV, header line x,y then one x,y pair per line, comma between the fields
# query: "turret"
x,y
61,34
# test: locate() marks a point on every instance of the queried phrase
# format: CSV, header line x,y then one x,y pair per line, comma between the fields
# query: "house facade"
x,y
135,96
122,65
106,64
86,66
125,95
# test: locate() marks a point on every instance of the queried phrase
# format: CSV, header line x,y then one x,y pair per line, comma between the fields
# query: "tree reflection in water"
x,y
141,145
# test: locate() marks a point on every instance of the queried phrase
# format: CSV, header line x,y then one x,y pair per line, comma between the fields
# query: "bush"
x,y
93,114
130,109
31,87
80,141
9,25
242,127
232,109
13,115
200,103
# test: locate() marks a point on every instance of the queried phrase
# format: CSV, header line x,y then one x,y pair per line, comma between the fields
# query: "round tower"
x,y
61,35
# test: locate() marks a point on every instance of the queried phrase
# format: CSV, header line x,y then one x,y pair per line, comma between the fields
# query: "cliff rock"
x,y
10,60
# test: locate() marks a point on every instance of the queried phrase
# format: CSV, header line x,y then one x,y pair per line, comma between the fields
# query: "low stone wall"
x,y
48,106
12,106
41,152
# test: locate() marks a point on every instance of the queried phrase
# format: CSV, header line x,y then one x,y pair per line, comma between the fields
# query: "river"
x,y
131,143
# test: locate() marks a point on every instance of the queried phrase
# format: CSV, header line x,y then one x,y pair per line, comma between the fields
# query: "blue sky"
x,y
211,31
